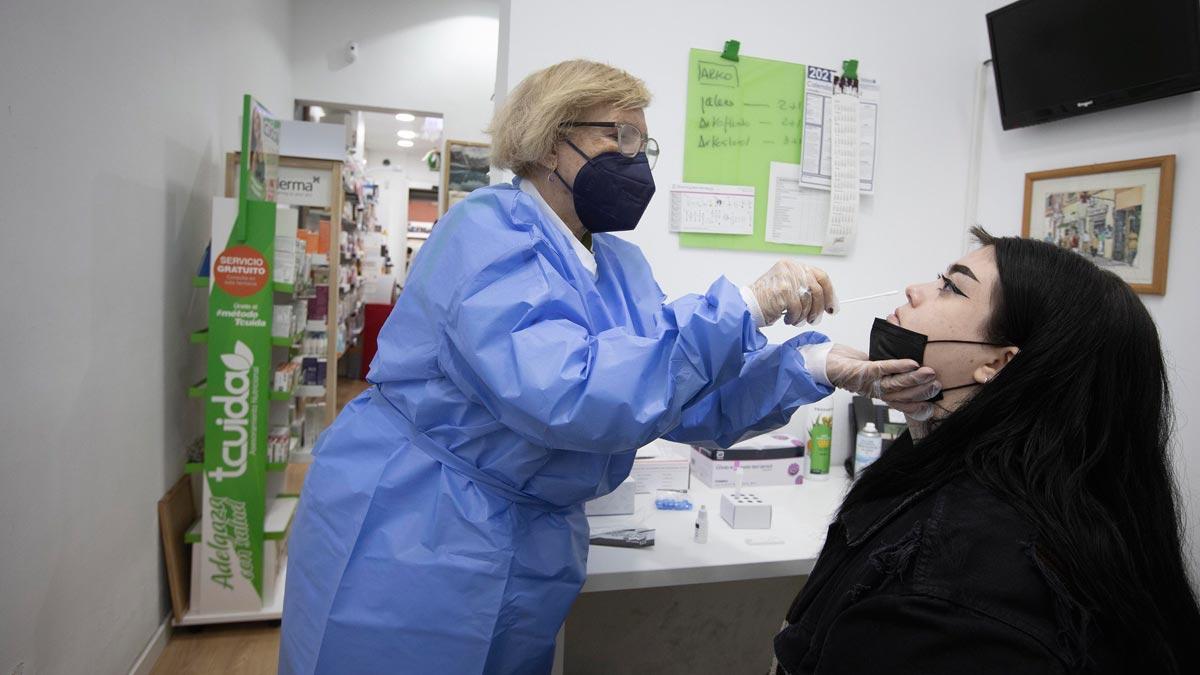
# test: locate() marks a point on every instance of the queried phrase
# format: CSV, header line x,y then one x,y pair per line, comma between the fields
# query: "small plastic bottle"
x,y
700,535
820,439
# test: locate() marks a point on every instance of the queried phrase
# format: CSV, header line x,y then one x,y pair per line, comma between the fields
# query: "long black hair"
x,y
1074,433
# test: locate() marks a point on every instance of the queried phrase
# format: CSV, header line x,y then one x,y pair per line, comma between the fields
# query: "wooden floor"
x,y
237,649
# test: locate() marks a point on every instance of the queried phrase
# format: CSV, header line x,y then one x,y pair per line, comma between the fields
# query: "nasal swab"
x,y
868,297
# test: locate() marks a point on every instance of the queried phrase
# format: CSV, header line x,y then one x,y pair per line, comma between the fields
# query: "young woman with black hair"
x,y
1031,523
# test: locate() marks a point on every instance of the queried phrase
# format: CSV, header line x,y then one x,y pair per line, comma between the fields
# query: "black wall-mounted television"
x,y
1060,58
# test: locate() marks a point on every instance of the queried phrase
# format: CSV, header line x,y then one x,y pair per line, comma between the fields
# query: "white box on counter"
x,y
658,467
619,502
755,473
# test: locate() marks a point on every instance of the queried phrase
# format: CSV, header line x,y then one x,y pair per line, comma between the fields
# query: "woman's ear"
x,y
549,161
985,373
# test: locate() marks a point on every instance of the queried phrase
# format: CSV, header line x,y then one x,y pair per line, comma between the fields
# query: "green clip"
x,y
731,50
850,69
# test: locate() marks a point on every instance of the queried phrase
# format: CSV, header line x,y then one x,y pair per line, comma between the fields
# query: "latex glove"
x,y
801,291
901,383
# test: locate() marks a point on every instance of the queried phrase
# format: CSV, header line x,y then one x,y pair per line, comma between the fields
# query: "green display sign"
x,y
237,405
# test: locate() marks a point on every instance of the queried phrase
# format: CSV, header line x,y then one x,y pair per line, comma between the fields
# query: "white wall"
x,y
428,56
1165,127
410,165
114,118
910,229
392,210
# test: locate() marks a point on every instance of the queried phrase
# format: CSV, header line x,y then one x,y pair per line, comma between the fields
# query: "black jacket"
x,y
941,581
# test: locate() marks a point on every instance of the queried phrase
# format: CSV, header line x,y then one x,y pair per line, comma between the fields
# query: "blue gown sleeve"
x,y
772,385
519,340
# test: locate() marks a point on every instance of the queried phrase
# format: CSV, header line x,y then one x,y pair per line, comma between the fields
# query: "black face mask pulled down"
x,y
889,341
611,190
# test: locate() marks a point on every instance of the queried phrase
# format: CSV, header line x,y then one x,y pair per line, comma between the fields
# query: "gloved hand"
x,y
805,293
901,383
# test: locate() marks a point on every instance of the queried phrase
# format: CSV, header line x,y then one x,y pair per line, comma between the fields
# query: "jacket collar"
x,y
864,520
586,257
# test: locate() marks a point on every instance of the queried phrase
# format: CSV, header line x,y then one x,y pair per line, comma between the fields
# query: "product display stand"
x,y
256,276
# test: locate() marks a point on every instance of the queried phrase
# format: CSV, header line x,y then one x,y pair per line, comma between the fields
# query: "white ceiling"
x,y
381,128
381,136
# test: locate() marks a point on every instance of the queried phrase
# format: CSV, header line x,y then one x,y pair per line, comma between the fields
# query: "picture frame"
x,y
1117,214
465,167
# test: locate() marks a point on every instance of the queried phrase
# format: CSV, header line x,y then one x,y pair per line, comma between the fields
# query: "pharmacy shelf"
x,y
283,395
310,390
316,326
272,609
287,340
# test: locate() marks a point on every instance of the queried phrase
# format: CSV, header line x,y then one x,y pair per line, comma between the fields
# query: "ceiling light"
x,y
405,117
404,144
405,133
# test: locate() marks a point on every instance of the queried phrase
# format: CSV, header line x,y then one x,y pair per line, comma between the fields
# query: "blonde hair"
x,y
530,123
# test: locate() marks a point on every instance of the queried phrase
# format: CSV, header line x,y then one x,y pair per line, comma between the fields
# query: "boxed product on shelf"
x,y
285,267
314,416
311,241
308,371
279,442
315,344
282,324
286,376
318,306
299,315
323,236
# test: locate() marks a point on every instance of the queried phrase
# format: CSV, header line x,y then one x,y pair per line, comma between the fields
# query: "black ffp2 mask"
x,y
889,341
611,191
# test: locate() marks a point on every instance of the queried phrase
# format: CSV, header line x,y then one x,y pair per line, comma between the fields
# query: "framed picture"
x,y
1118,215
465,167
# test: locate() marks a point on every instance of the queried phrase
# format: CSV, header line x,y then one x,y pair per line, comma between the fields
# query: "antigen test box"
x,y
755,473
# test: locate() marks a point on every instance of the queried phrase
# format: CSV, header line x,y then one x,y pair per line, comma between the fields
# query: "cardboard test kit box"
x,y
773,459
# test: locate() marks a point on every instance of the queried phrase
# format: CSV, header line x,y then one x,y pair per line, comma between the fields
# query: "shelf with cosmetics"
x,y
314,190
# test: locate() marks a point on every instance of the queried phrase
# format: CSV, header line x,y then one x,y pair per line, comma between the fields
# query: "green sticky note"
x,y
741,117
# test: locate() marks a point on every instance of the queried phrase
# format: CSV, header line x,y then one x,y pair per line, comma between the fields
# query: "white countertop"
x,y
801,517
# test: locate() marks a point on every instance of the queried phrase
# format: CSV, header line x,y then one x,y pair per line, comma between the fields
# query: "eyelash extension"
x,y
950,285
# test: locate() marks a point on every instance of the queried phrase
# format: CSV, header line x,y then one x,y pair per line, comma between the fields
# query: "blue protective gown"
x,y
441,527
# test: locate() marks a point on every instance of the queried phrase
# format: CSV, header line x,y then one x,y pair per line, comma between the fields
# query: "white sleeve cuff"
x,y
815,356
752,305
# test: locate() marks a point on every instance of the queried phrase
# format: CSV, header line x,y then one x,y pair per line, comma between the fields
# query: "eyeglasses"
x,y
630,140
